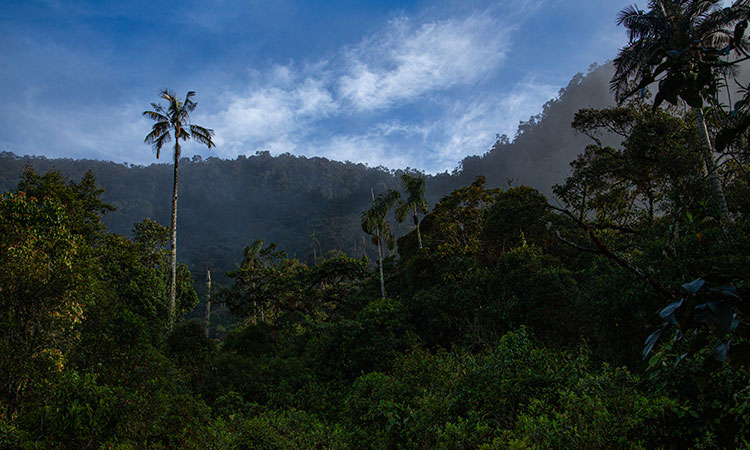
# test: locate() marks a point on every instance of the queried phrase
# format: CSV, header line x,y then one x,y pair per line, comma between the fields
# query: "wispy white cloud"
x,y
407,62
281,111
73,136
407,59
397,128
463,127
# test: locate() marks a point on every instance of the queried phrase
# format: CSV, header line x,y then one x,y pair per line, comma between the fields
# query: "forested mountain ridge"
x,y
226,204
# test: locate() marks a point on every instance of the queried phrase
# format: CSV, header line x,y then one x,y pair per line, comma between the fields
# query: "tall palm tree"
x,y
684,45
414,186
374,224
175,119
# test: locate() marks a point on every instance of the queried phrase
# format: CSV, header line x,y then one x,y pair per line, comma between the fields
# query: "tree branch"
x,y
602,249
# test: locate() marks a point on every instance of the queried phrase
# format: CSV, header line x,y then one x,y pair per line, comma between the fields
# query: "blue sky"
x,y
417,84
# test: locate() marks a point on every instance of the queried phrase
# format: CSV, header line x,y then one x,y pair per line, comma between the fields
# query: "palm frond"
x,y
402,210
387,236
156,131
168,95
184,134
156,116
189,103
627,14
675,36
158,140
373,219
202,135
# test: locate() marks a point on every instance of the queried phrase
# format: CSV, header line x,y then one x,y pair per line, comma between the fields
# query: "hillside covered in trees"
x,y
311,205
606,309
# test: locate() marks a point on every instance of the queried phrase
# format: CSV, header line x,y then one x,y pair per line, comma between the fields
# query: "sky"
x,y
419,84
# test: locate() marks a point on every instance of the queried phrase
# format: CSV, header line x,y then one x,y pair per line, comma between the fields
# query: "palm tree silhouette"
x,y
174,119
414,186
374,224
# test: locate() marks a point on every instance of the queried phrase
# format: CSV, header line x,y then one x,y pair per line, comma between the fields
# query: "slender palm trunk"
x,y
416,222
713,176
380,254
380,265
173,266
208,300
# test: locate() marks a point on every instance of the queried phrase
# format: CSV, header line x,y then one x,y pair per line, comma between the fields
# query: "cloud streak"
x,y
408,60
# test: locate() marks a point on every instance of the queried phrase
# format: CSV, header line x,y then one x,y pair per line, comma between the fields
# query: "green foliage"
x,y
705,314
457,220
45,283
503,398
603,410
517,217
282,430
370,341
534,289
80,199
656,169
271,287
191,351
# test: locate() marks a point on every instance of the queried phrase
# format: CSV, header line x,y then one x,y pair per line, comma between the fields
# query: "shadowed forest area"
x,y
582,285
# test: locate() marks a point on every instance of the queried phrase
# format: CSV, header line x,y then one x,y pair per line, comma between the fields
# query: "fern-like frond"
x,y
156,116
202,135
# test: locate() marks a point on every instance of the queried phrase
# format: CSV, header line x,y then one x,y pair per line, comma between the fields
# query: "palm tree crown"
x,y
682,44
373,220
175,118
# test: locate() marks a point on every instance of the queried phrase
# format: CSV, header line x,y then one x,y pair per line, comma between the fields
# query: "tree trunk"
x,y
173,265
380,265
416,222
713,176
208,300
380,253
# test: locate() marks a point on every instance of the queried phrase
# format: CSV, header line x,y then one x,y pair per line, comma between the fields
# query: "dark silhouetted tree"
x,y
374,224
415,201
